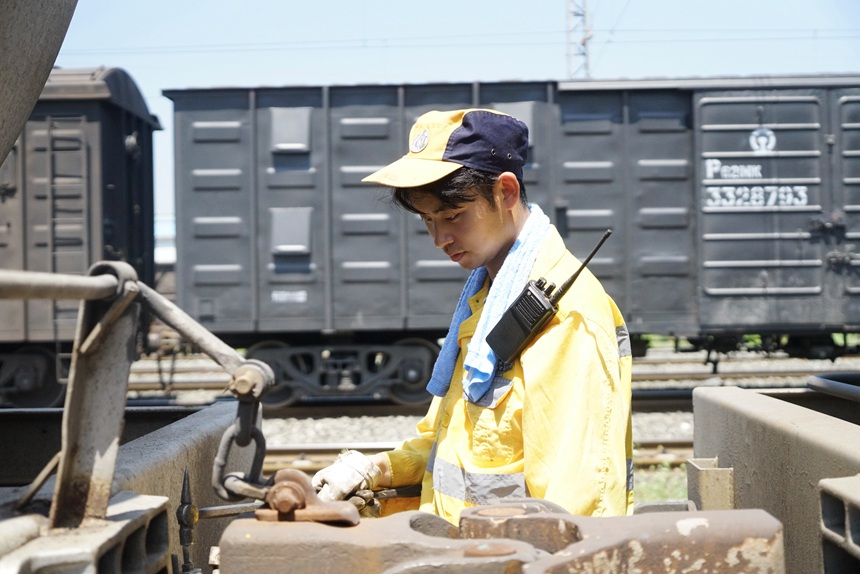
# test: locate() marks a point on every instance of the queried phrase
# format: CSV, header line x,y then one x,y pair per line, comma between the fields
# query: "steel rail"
x,y
147,375
730,375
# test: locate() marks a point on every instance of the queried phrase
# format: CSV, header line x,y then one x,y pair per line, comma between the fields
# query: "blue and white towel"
x,y
480,361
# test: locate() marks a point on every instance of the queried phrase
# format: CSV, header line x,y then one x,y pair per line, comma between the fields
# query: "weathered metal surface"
x,y
372,546
292,498
38,285
24,456
780,445
749,542
95,403
18,530
709,486
132,537
90,466
529,536
31,33
840,524
188,515
155,464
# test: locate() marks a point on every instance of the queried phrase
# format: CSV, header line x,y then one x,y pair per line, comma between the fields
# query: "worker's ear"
x,y
509,189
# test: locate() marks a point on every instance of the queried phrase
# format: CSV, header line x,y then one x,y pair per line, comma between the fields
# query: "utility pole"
x,y
578,35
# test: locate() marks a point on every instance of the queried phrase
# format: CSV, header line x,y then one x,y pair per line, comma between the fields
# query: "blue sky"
x,y
212,43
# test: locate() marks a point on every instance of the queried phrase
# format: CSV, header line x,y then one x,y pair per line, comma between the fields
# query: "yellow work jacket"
x,y
556,426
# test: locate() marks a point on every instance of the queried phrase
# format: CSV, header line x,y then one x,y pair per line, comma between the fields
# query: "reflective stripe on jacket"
x,y
557,425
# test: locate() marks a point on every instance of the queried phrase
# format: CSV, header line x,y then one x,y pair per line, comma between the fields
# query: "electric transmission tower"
x,y
578,35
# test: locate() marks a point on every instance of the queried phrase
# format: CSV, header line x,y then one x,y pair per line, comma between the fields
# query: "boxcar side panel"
x,y
843,258
291,219
433,281
660,282
13,326
215,209
62,210
765,191
366,132
625,166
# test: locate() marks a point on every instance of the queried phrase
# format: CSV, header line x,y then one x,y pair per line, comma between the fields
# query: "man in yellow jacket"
x,y
554,422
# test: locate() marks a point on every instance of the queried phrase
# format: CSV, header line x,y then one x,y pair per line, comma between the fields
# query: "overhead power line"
x,y
547,37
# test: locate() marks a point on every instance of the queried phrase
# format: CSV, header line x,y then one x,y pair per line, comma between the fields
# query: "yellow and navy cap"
x,y
440,143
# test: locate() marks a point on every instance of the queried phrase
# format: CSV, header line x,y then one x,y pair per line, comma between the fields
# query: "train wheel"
x,y
415,374
41,367
273,353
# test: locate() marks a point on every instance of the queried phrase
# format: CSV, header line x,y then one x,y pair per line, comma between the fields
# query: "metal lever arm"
x,y
192,331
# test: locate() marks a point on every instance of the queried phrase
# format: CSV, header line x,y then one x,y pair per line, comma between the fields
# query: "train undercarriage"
x,y
398,372
34,375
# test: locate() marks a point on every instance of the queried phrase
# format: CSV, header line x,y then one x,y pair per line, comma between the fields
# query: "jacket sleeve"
x,y
576,416
409,461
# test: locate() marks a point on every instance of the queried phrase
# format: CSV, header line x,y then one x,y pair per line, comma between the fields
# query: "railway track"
x,y
661,381
312,457
200,372
659,386
213,379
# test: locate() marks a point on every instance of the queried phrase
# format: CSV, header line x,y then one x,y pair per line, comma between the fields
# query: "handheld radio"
x,y
530,311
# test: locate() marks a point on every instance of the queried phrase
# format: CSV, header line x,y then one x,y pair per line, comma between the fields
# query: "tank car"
x,y
76,188
731,201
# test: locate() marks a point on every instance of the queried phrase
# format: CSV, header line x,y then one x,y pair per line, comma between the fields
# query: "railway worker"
x,y
555,424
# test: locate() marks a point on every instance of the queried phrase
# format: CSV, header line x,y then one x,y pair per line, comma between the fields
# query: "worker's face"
x,y
473,235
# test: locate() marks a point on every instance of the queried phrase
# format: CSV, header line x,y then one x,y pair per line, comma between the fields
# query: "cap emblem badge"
x,y
420,141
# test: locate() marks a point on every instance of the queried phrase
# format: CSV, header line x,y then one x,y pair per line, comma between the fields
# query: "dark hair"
x,y
454,190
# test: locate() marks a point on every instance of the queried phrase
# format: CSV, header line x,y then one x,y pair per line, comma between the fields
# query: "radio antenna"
x,y
559,293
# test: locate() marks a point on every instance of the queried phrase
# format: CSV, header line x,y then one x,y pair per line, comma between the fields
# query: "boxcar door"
x,y
215,223
291,210
843,255
366,275
12,249
59,211
764,204
625,164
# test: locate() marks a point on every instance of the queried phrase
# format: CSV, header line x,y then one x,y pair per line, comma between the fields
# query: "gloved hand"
x,y
350,471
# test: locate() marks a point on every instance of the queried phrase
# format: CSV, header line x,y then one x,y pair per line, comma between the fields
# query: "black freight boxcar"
x,y
734,204
77,188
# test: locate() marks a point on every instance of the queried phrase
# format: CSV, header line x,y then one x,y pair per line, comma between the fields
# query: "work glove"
x,y
350,471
